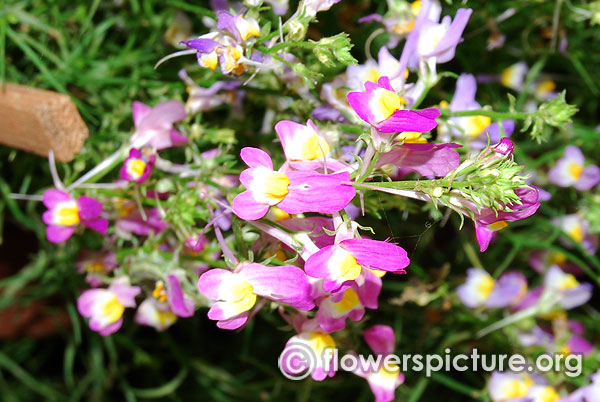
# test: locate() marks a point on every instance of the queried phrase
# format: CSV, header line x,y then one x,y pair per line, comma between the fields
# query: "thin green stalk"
x,y
455,385
489,113
278,47
532,75
27,379
2,51
195,9
422,97
370,168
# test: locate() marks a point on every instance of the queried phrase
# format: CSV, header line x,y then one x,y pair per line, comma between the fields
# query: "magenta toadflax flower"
x,y
166,304
424,159
305,147
206,50
382,108
181,304
154,125
400,20
195,242
570,170
105,307
431,42
301,142
513,76
65,213
333,311
236,292
143,225
293,192
541,260
341,263
386,65
481,290
155,314
96,265
384,380
488,222
312,339
138,165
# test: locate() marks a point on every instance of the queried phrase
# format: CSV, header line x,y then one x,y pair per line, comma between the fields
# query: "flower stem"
x,y
489,113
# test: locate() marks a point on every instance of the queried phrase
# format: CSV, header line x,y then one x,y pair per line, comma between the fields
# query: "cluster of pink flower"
x,y
316,267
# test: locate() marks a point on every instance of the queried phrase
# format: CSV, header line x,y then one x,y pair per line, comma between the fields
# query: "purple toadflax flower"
x,y
224,47
570,170
481,290
474,129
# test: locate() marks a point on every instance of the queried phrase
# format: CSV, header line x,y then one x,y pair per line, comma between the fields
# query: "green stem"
x,y
278,47
266,50
531,76
422,97
488,113
275,33
372,164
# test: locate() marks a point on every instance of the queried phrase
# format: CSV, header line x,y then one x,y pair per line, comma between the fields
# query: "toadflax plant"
x,y
195,225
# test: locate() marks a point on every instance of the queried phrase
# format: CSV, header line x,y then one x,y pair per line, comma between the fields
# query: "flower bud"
x,y
296,31
504,147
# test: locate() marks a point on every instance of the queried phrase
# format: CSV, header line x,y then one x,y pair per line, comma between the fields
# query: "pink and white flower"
x,y
138,165
166,304
105,307
237,292
381,107
305,147
154,125
333,310
310,339
293,192
96,265
512,387
342,263
65,213
155,314
385,380
488,222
